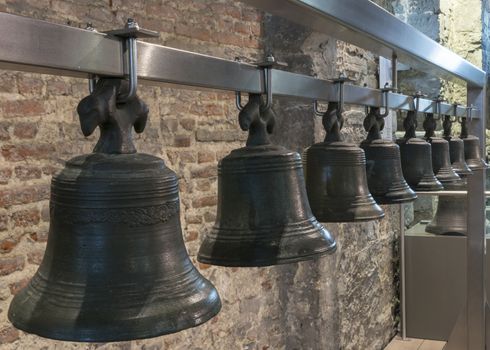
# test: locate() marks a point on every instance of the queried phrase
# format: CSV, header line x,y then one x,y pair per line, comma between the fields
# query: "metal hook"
x,y
340,83
469,113
267,68
455,111
437,110
386,90
130,32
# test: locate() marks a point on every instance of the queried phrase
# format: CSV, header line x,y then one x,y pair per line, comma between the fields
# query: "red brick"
x,y
8,334
241,27
5,176
27,172
203,184
57,88
26,130
207,201
50,170
193,219
202,172
22,108
205,157
16,153
203,266
19,285
169,125
188,124
24,195
7,245
182,141
191,236
26,217
229,38
193,31
11,264
30,85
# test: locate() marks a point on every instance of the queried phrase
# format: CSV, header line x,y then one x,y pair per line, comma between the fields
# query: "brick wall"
x,y
343,301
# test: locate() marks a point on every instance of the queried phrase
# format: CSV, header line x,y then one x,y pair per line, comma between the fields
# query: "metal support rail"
x,y
42,47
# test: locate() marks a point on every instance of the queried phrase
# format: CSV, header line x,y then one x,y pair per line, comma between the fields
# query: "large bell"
x,y
336,180
383,164
456,150
441,163
416,156
450,217
263,213
115,266
471,149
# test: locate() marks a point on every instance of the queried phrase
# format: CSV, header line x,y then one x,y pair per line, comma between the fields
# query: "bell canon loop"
x,y
115,266
336,180
263,213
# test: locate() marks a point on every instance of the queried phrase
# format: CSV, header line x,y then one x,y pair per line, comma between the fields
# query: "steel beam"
x,y
42,47
369,26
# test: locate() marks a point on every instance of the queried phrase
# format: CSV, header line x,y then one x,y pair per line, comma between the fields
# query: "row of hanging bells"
x,y
451,215
116,267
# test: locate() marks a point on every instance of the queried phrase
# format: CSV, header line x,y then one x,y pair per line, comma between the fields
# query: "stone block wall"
x,y
344,301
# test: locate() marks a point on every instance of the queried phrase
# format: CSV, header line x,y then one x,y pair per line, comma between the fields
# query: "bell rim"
x,y
215,308
407,197
332,248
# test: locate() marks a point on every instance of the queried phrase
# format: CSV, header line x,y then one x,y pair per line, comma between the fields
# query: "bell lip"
x,y
411,141
332,248
370,217
66,336
435,186
439,231
408,196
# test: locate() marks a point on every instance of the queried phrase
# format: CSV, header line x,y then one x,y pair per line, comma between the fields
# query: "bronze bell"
x,y
336,180
383,164
450,217
456,150
441,163
416,156
471,149
263,213
115,266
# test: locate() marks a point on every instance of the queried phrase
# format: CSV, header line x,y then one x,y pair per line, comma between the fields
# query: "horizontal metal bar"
x,y
369,26
448,193
43,47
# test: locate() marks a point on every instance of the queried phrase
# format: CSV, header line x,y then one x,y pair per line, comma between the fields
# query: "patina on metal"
x,y
263,213
336,180
416,156
115,267
441,163
472,152
456,149
383,164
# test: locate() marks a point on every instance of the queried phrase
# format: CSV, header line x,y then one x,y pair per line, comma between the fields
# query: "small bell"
x,y
416,158
456,150
115,267
383,164
471,149
263,213
336,180
441,163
